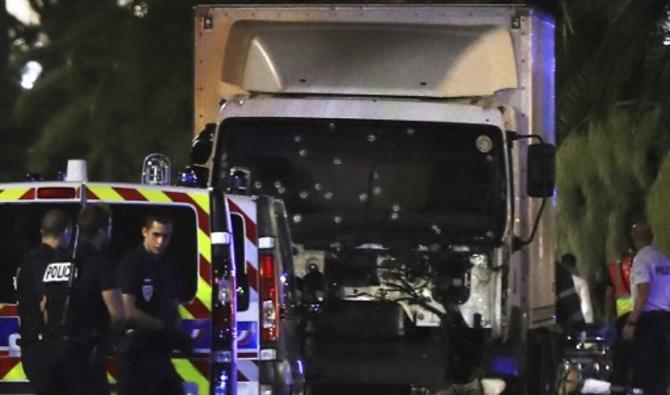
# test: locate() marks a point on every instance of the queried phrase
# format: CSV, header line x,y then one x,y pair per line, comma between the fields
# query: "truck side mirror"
x,y
541,170
201,147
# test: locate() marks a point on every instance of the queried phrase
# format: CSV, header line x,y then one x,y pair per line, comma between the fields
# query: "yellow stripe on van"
x,y
184,313
204,245
107,194
204,293
13,194
190,374
202,200
154,195
16,373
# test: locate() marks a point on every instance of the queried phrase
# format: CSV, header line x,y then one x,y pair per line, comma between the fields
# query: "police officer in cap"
x,y
147,278
83,305
56,231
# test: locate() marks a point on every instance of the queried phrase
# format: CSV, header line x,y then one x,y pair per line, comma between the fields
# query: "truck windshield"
x,y
358,182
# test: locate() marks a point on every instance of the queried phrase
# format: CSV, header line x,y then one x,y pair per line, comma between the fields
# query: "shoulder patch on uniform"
x,y
57,272
147,292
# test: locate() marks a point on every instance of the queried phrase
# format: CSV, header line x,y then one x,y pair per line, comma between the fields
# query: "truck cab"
x,y
398,138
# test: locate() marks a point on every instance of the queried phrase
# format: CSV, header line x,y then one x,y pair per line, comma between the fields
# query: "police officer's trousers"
x,y
651,352
37,365
145,367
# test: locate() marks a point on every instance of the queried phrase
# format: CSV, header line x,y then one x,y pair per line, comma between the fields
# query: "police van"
x,y
216,235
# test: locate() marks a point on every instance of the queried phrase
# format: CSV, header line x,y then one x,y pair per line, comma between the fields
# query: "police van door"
x,y
267,346
243,220
201,245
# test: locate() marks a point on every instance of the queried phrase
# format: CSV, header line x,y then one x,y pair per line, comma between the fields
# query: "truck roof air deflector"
x,y
372,59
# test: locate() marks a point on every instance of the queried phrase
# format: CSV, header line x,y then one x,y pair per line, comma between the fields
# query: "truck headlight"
x,y
479,260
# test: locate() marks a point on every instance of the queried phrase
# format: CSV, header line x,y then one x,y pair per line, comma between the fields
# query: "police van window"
x,y
19,234
128,220
240,262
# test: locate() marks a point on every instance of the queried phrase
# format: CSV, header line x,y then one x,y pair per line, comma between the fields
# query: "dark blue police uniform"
x,y
144,355
38,364
78,321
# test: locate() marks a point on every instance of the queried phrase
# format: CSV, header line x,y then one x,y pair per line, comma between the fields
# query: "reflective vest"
x,y
620,272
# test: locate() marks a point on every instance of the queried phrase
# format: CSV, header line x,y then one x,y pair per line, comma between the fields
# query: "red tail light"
x,y
56,193
268,294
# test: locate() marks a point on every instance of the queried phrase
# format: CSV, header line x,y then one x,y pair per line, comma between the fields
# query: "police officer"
x,y
82,305
147,278
649,322
56,231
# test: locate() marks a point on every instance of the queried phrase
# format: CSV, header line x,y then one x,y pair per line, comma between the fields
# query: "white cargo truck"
x,y
412,148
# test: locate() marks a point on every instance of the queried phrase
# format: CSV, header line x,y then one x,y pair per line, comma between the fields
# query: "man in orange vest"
x,y
618,292
618,299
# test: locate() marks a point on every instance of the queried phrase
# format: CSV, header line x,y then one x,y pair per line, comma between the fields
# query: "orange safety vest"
x,y
620,273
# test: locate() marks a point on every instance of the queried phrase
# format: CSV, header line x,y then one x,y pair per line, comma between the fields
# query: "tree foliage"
x,y
116,86
612,165
15,140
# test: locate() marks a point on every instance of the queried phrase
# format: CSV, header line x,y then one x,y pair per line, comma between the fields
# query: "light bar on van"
x,y
56,193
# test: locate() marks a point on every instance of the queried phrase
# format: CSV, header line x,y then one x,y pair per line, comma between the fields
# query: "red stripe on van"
x,y
249,224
